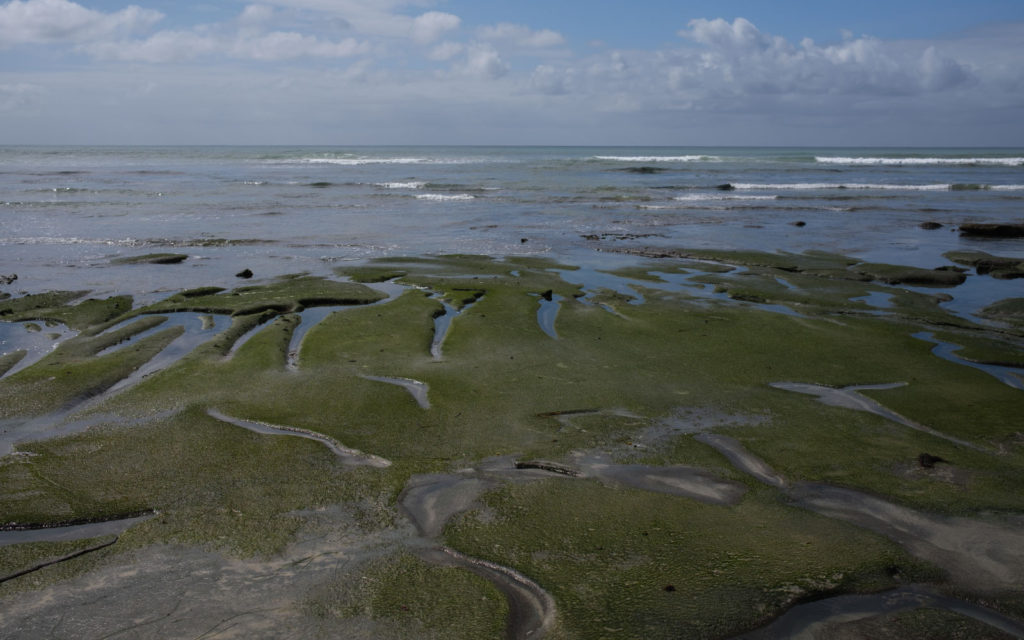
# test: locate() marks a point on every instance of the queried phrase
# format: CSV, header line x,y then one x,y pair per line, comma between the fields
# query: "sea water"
x,y
66,213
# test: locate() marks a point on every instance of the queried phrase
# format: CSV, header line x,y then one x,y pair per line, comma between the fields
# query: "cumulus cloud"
x,y
521,36
446,51
550,81
483,61
737,58
175,46
430,26
61,21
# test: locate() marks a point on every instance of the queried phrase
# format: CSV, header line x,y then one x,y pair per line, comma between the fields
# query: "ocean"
x,y
68,212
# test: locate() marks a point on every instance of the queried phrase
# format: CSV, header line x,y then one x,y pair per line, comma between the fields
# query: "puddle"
x,y
308,319
1010,376
550,304
443,324
347,454
418,390
876,299
593,281
35,338
208,327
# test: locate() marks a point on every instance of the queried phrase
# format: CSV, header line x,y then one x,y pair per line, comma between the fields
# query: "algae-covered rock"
x,y
54,307
1001,268
283,296
152,258
1011,310
898,274
992,230
624,388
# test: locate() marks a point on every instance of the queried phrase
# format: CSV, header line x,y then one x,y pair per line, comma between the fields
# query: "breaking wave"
x,y
715,197
441,197
913,161
658,158
401,185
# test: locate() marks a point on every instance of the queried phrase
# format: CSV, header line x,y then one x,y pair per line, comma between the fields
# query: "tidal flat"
x,y
701,445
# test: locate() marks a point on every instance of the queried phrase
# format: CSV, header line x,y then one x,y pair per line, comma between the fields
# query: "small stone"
x,y
247,273
928,461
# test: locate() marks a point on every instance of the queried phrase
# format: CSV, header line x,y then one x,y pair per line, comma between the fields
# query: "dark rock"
x,y
928,461
669,588
8,279
799,223
725,187
644,169
930,226
152,258
247,273
548,295
992,230
523,240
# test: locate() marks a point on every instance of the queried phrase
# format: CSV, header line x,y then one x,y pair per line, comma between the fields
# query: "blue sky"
x,y
340,72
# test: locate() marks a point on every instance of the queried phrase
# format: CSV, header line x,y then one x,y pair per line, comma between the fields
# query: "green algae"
x,y
419,600
284,296
985,349
21,557
916,624
899,274
640,564
503,387
1010,310
9,360
73,373
55,307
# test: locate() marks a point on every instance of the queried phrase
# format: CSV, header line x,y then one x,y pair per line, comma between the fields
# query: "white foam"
x,y
444,197
657,158
364,160
818,186
1006,187
1009,162
715,197
401,185
33,240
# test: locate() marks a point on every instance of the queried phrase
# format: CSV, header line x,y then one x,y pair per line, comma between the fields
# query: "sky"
x,y
551,72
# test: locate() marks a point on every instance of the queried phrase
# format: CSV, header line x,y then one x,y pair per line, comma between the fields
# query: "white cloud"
x,y
430,26
446,51
550,81
392,61
521,36
738,59
176,46
61,21
256,15
280,45
18,96
483,61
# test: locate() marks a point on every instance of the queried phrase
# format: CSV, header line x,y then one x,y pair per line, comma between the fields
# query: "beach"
x,y
512,392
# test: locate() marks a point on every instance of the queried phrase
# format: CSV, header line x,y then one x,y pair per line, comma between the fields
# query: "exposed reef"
x,y
462,446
